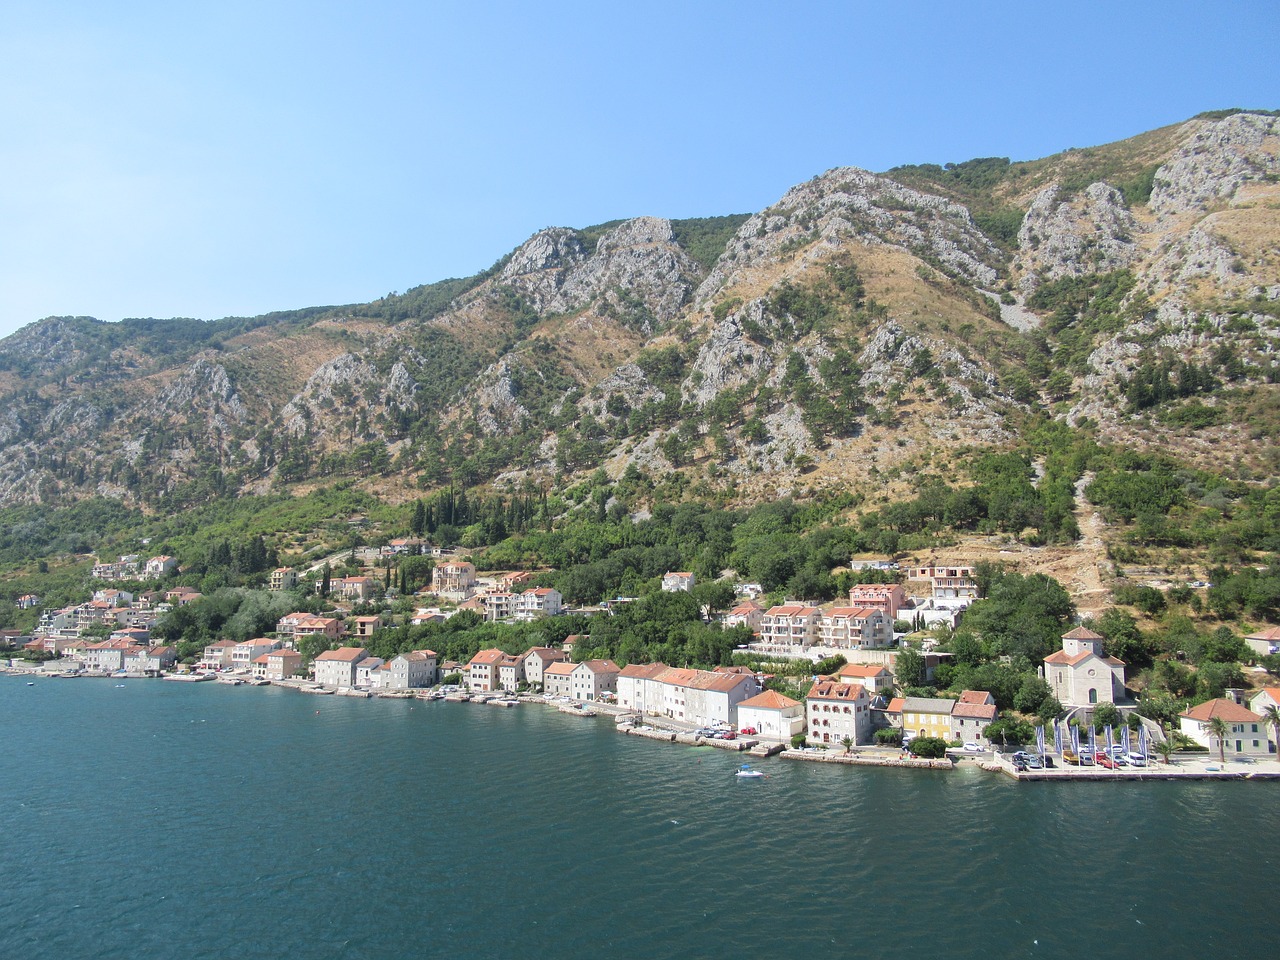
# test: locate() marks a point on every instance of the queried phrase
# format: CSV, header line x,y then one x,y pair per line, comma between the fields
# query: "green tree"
x,y
1105,715
908,668
1218,730
1271,716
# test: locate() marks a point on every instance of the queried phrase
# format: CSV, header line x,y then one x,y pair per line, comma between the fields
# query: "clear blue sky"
x,y
157,160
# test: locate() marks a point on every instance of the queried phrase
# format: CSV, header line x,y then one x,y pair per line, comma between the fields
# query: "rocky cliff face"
x,y
615,346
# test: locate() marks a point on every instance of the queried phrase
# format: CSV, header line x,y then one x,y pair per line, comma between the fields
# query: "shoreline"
x,y
662,729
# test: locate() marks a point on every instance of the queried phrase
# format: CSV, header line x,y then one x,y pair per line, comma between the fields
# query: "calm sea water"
x,y
163,820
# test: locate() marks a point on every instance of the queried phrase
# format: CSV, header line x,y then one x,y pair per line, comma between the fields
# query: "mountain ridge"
x,y
858,323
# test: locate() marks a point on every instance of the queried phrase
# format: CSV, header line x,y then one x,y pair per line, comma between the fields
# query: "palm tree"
x,y
1218,730
848,744
1271,715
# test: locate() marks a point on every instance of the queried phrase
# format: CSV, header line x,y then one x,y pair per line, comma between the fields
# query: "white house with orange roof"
x,y
557,679
678,582
537,659
1081,674
1265,642
875,677
337,668
772,716
747,613
699,697
835,710
592,679
1247,731
790,624
886,597
972,714
845,627
482,670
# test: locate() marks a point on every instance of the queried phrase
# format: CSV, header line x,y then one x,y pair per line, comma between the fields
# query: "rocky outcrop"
x,y
1214,161
494,402
728,358
851,205
637,272
202,386
1074,236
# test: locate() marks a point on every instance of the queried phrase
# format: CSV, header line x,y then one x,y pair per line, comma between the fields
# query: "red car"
x,y
1105,761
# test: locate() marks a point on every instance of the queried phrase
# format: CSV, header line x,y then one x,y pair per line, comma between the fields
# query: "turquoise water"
x,y
199,820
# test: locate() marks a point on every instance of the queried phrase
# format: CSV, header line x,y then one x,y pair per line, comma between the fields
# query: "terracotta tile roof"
x,y
642,671
702,679
1270,635
1081,633
344,654
976,696
1228,710
865,670
1060,656
974,711
492,655
600,666
835,690
895,705
560,668
769,700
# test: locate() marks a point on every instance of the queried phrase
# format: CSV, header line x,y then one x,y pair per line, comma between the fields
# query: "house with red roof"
x,y
1081,674
337,668
537,659
971,714
1264,642
482,670
680,581
593,679
772,715
1247,732
540,602
835,710
1262,700
699,697
873,676
557,679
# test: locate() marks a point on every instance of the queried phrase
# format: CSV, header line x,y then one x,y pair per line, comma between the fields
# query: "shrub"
x,y
928,747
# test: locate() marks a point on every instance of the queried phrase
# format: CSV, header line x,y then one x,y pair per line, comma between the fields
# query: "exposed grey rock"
x,y
637,271
1215,160
493,396
728,359
1074,236
848,204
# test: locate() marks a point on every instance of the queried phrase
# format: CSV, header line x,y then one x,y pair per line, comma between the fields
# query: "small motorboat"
x,y
745,772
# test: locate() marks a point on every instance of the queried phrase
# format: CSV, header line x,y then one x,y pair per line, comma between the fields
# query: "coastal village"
x,y
853,714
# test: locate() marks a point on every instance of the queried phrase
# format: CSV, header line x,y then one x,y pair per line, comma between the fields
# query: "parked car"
x,y
972,747
1034,762
749,731
1137,759
1106,761
1020,765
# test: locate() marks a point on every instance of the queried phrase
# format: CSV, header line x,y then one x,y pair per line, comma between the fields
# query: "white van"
x,y
1137,760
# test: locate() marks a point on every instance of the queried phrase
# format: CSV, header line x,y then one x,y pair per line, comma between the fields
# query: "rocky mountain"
x,y
859,325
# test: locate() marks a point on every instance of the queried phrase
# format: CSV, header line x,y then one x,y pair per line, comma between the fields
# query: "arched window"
x,y
1093,695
